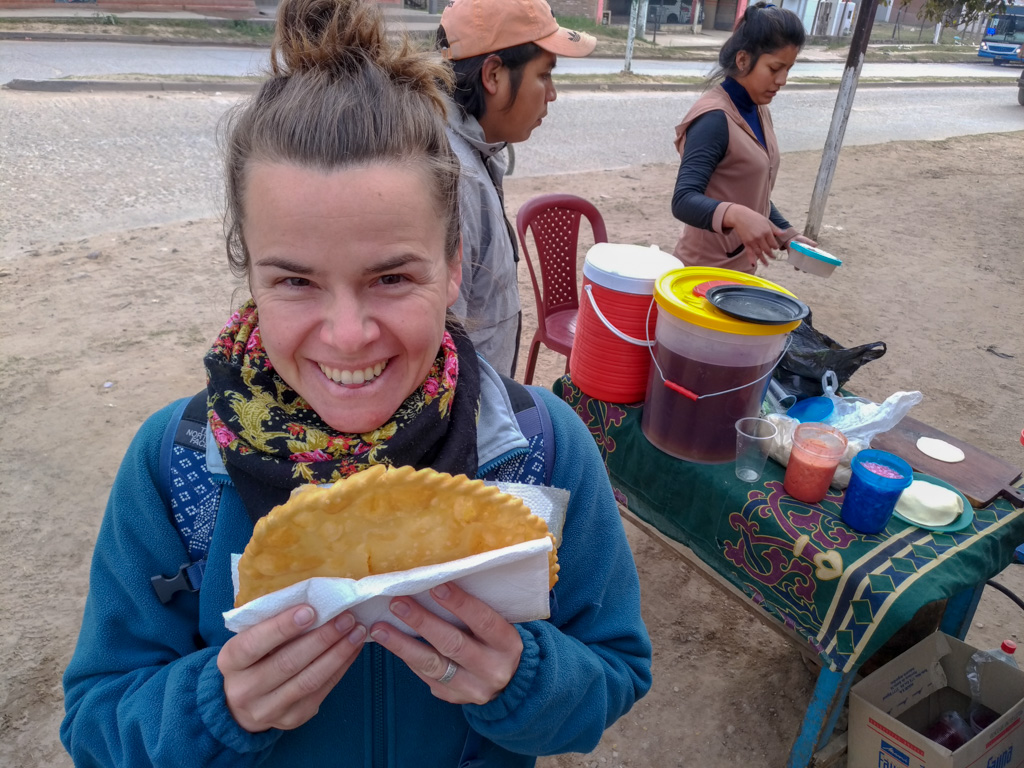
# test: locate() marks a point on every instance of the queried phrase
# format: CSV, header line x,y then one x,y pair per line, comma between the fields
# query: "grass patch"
x,y
611,40
624,79
893,80
588,25
107,24
138,77
924,56
689,80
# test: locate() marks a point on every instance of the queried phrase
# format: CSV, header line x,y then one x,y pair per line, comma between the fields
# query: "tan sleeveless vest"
x,y
746,175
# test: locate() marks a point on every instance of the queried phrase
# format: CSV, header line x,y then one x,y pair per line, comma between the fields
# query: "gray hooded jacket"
x,y
489,297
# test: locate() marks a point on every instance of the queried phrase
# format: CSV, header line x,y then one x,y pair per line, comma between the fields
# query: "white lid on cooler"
x,y
627,268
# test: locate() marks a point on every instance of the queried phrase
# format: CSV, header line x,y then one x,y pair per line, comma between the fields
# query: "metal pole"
x,y
641,20
840,116
626,69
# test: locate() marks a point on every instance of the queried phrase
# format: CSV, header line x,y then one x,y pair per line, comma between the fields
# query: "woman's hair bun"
x,y
335,37
754,8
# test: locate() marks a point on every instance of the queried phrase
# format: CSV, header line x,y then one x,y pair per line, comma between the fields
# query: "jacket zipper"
x,y
380,756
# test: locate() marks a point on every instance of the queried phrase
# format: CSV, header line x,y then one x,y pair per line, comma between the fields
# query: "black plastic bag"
x,y
811,353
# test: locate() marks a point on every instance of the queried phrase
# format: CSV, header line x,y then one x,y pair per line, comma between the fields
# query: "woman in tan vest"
x,y
730,157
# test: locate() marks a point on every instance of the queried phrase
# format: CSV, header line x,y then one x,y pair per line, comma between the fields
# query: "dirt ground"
x,y
101,331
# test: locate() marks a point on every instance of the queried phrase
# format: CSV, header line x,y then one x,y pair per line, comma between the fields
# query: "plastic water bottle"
x,y
1004,654
980,716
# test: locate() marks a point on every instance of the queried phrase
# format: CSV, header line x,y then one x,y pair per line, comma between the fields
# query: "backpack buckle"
x,y
188,579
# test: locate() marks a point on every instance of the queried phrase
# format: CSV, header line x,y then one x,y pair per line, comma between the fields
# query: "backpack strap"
x,y
190,492
165,451
535,465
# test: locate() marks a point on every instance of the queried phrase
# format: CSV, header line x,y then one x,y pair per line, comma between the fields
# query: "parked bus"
x,y
669,11
1004,36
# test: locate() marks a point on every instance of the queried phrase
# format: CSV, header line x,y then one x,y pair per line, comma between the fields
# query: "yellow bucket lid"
x,y
681,294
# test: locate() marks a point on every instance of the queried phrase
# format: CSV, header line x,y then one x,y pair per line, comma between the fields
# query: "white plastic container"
x,y
813,260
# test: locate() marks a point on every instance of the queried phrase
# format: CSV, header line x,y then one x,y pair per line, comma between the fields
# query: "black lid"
x,y
757,305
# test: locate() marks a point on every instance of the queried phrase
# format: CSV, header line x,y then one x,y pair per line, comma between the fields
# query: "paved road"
x,y
45,60
28,60
589,131
112,161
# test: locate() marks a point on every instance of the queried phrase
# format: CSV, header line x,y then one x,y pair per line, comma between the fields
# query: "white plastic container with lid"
x,y
616,321
810,259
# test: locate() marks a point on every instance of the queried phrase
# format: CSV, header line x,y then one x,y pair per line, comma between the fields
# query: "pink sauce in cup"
x,y
881,469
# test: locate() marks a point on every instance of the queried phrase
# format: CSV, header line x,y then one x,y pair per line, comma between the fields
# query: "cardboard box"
x,y
890,708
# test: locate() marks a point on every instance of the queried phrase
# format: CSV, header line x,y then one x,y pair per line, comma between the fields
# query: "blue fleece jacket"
x,y
143,686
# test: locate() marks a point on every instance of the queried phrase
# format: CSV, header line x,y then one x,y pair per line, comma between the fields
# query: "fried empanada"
x,y
382,520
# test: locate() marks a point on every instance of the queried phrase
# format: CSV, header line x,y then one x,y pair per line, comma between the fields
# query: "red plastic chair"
x,y
554,221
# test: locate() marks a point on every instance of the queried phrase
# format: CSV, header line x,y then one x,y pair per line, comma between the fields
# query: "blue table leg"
x,y
826,703
832,687
959,612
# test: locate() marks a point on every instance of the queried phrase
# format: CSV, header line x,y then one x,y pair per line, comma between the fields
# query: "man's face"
x,y
514,120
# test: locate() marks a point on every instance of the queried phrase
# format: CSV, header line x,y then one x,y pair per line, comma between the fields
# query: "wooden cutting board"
x,y
981,477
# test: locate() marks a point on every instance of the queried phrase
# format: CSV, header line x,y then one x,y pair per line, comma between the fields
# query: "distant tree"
x,y
953,13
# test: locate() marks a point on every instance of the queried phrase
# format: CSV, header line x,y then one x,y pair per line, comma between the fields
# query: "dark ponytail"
x,y
763,29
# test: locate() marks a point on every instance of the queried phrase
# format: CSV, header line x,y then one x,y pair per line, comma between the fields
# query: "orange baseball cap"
x,y
476,27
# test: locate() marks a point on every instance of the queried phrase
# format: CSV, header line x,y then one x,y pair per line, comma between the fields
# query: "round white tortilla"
x,y
925,503
939,450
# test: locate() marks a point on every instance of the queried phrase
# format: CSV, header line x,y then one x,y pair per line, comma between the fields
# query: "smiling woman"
x,y
350,277
343,216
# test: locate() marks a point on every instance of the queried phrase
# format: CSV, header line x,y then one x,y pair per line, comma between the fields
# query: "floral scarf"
x,y
272,441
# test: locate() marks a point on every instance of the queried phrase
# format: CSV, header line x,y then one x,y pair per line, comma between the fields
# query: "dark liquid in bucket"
x,y
703,431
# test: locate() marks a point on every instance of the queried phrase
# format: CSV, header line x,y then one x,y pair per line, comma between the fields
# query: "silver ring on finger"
x,y
448,673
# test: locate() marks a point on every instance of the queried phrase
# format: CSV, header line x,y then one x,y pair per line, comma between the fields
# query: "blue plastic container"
x,y
871,497
811,409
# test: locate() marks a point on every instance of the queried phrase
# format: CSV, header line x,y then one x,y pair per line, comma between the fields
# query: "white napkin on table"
x,y
512,580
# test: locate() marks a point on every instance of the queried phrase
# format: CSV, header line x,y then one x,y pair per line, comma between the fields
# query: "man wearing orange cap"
x,y
502,53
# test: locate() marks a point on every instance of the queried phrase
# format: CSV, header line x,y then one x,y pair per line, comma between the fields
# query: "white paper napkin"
x,y
513,580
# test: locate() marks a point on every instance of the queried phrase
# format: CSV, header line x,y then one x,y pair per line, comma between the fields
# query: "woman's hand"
x,y
487,654
804,239
277,677
758,234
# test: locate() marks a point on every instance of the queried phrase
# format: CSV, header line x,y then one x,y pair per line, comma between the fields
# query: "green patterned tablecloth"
x,y
845,592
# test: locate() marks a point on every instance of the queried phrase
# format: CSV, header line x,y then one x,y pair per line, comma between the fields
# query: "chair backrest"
x,y
554,221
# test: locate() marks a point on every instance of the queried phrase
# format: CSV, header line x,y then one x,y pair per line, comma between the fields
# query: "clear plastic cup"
x,y
817,450
981,717
950,730
753,440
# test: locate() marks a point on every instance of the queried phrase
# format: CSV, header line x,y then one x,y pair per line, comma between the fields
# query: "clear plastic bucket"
x,y
709,369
